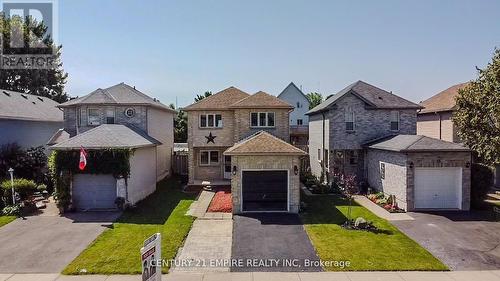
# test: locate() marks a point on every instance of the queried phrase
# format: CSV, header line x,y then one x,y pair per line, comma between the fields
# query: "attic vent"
x,y
380,98
33,102
40,99
24,96
6,93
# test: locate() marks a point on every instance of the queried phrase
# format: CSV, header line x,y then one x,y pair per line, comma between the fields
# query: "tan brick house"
x,y
232,117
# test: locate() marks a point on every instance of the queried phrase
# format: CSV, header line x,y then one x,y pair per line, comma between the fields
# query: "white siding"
x,y
316,141
142,180
27,133
161,127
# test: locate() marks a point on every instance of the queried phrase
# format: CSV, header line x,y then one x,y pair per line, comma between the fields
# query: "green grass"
x,y
116,251
389,249
6,219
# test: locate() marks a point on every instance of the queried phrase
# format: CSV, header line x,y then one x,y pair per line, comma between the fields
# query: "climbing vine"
x,y
63,164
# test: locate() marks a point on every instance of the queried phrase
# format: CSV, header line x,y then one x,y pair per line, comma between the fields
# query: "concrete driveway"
x,y
461,240
46,244
271,242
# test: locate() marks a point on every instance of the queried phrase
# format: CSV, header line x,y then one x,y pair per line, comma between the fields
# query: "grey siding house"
x,y
298,119
28,120
371,133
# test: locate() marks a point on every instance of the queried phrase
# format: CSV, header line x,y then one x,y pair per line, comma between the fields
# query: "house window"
x,y
129,112
110,116
298,105
81,116
208,158
210,121
394,120
319,154
382,170
299,122
94,118
327,158
262,119
349,119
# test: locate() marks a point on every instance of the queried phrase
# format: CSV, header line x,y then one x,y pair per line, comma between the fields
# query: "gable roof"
x,y
219,100
373,96
414,143
443,101
292,85
119,94
263,143
108,136
20,106
261,100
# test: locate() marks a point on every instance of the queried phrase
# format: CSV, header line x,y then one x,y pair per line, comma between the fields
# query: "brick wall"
x,y
243,129
262,162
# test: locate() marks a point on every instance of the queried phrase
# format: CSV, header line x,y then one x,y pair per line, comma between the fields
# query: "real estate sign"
x,y
151,258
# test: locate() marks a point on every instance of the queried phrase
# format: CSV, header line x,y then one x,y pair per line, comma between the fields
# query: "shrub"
x,y
41,187
481,182
22,186
14,210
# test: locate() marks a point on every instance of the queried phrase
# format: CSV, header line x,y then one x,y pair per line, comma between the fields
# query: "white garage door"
x,y
438,188
94,191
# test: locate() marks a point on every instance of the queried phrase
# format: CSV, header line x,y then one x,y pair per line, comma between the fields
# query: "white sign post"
x,y
151,258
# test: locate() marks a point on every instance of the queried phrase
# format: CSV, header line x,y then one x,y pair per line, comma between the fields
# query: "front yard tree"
x,y
478,112
314,99
41,82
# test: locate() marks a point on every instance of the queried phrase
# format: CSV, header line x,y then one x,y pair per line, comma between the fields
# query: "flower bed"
x,y
387,202
222,202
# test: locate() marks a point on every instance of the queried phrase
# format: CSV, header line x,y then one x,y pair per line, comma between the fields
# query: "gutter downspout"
x,y
323,149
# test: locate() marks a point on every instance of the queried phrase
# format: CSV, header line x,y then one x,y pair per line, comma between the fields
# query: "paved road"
x,y
46,244
265,242
462,240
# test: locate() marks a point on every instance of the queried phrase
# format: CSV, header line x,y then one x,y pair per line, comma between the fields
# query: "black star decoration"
x,y
210,138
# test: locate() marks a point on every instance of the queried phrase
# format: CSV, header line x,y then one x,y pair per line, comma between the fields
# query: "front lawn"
x,y
389,249
6,219
116,251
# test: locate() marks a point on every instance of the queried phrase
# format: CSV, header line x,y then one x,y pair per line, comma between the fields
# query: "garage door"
x,y
94,192
438,188
265,190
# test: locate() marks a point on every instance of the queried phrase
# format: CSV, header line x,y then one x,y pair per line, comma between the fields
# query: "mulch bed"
x,y
222,202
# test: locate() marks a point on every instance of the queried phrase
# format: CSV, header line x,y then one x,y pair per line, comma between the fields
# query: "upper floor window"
x,y
110,116
94,117
262,119
394,120
299,105
349,119
210,121
81,116
299,122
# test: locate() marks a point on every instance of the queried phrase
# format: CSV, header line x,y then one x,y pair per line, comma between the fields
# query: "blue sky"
x,y
171,49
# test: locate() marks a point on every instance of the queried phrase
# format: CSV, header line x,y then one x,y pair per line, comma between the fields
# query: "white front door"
x,y
438,188
227,167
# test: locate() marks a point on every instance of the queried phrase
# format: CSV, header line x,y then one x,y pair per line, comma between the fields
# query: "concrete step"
x,y
493,196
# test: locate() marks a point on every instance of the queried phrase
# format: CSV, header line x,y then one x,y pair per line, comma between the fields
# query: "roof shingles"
x,y
443,101
414,143
263,143
20,106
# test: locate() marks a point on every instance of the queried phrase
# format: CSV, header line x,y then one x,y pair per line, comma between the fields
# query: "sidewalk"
x,y
277,276
379,211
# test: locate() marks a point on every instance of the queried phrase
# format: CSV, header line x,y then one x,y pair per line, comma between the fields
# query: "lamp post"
x,y
11,172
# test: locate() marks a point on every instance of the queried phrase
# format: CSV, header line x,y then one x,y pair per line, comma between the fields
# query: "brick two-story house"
x,y
118,117
371,133
244,138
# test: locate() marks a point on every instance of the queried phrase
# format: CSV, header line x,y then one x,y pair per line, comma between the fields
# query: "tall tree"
x,y
41,82
314,99
180,125
200,97
478,112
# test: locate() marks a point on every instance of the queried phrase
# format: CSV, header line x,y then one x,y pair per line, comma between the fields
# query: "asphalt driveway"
x,y
271,242
461,240
46,244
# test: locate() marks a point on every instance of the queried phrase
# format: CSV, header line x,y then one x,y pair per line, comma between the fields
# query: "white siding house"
x,y
294,96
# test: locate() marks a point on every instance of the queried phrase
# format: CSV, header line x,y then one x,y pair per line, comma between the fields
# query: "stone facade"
x,y
235,127
268,162
369,124
400,177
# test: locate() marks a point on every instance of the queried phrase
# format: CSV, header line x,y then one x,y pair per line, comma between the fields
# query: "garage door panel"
x,y
265,190
94,191
438,188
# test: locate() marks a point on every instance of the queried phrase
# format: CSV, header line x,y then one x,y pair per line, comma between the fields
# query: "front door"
x,y
227,167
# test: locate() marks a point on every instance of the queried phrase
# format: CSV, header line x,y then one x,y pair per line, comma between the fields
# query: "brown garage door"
x,y
265,190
